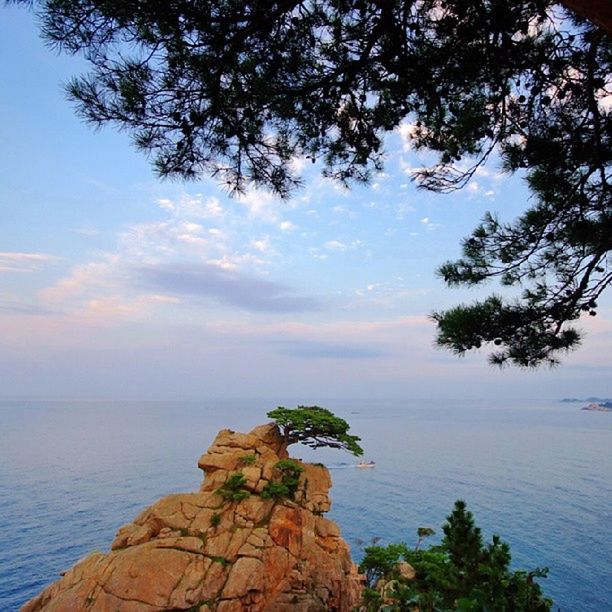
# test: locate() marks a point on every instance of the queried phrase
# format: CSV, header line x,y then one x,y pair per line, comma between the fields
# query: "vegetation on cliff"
x,y
461,573
316,427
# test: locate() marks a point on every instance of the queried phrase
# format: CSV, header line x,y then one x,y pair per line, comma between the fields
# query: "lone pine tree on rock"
x,y
237,90
315,427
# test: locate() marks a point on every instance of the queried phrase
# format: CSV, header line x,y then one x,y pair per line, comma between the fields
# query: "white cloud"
x,y
335,245
287,226
12,261
262,245
428,224
166,204
260,204
195,206
298,164
406,131
341,247
317,253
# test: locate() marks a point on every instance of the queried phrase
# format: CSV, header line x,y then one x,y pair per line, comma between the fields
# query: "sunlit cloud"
x,y
99,275
102,308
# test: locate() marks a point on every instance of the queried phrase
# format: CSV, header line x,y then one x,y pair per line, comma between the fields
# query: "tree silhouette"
x,y
238,89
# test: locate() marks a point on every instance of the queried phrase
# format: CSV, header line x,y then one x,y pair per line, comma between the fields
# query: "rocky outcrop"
x,y
599,407
228,548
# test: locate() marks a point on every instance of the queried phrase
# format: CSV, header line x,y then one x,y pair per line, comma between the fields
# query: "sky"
x,y
117,285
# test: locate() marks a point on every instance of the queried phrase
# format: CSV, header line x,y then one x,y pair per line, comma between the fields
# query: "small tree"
x,y
463,542
459,574
422,533
315,427
289,471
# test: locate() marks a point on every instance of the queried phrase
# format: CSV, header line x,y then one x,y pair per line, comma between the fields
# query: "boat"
x,y
366,464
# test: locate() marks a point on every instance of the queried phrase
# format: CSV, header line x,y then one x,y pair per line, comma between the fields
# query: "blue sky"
x,y
118,285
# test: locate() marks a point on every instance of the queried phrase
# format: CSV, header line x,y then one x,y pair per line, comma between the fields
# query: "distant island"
x,y
599,407
591,400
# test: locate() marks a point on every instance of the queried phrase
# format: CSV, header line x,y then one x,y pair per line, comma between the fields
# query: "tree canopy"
x,y
315,427
238,89
460,573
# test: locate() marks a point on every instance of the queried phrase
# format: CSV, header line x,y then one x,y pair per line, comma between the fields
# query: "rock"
x,y
201,551
602,407
406,571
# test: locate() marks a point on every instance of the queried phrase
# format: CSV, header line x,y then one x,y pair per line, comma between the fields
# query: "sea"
x,y
538,473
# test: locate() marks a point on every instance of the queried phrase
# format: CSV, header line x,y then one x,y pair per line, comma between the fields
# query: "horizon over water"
x,y
536,472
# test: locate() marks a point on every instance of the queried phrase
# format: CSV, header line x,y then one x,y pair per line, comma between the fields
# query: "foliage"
x,y
248,459
459,574
315,427
381,561
233,488
275,490
240,89
289,471
215,519
422,534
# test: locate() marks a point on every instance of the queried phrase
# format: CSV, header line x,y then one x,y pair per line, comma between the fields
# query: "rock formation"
x,y
227,548
599,407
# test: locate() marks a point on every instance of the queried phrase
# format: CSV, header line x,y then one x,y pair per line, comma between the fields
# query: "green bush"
x,y
233,488
215,520
289,471
247,459
461,573
275,490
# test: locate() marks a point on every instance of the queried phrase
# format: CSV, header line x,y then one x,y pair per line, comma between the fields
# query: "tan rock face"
x,y
208,552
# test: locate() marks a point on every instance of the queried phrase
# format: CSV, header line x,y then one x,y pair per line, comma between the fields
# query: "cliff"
x,y
226,551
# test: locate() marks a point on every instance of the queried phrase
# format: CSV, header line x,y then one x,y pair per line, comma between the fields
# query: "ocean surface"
x,y
538,473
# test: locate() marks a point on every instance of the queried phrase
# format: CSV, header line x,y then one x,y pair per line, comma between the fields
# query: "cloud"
x,y
262,245
407,132
24,262
195,206
17,308
223,285
324,350
287,226
260,204
429,225
475,188
316,253
100,275
335,245
110,307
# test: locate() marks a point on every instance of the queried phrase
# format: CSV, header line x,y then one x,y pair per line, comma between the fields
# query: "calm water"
x,y
540,474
